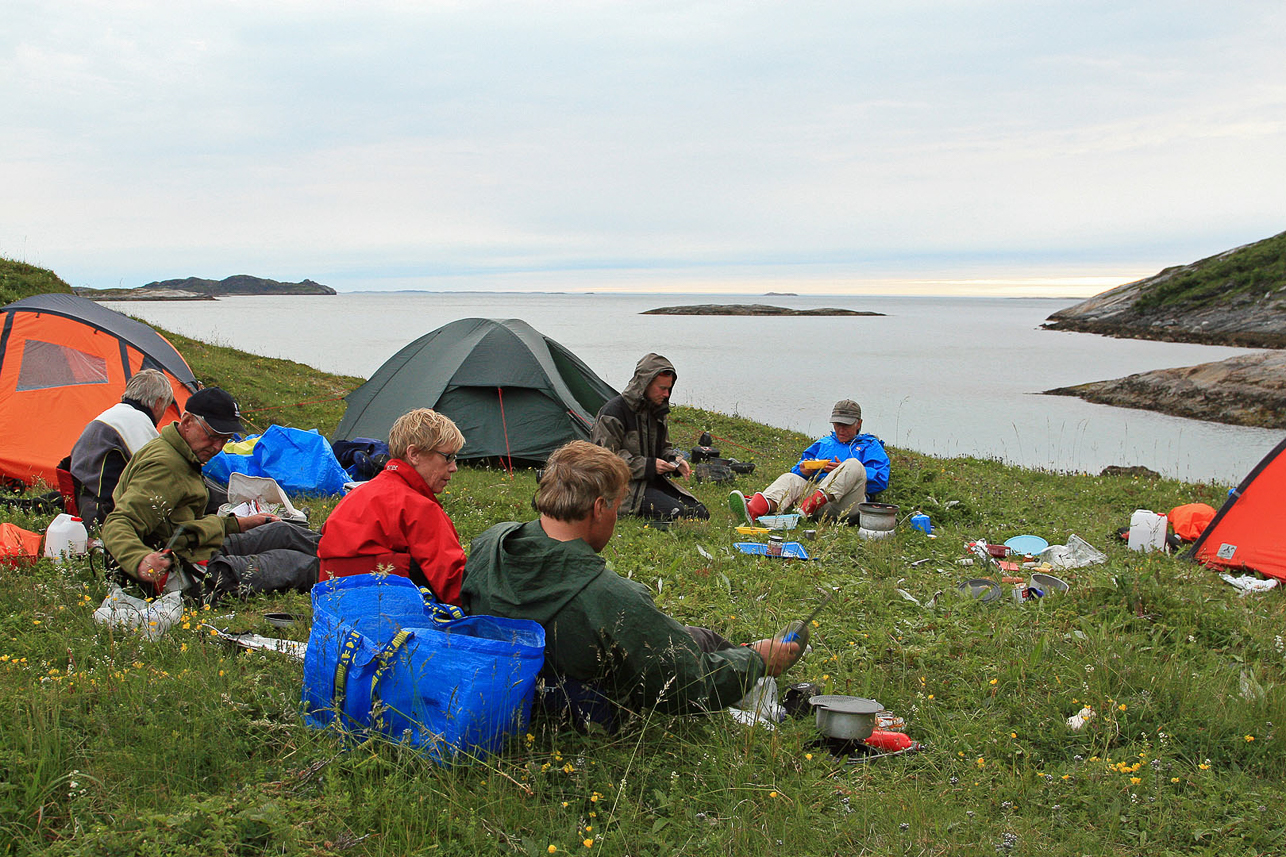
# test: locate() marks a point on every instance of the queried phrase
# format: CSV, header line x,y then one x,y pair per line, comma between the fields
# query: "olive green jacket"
x,y
160,489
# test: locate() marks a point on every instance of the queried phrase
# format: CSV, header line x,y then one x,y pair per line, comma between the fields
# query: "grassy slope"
x,y
19,280
1254,270
112,745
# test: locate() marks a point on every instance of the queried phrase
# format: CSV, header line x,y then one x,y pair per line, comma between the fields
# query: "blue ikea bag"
x,y
381,659
302,462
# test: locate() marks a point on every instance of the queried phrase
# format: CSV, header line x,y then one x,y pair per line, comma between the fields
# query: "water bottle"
x,y
65,535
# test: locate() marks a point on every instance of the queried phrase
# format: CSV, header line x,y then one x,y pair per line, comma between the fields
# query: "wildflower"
x,y
552,849
993,681
1121,707
594,797
982,763
826,677
1203,766
904,827
1250,738
568,768
1135,780
1013,734
808,756
930,696
1174,779
772,794
588,843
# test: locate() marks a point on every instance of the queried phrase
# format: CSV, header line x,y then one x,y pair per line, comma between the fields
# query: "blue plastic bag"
x,y
301,461
380,659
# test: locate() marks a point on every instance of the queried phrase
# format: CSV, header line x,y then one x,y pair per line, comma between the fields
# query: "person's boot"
x,y
758,506
810,506
747,510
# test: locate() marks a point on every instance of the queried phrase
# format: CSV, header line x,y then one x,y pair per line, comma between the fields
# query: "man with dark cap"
x,y
161,493
851,466
633,426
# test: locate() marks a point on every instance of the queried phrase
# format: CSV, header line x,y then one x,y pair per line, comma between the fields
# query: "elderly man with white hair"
x,y
111,439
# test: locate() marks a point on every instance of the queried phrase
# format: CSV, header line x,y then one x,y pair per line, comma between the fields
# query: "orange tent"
x,y
1250,530
63,361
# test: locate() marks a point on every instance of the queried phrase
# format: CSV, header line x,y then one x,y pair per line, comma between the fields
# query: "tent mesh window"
x,y
47,364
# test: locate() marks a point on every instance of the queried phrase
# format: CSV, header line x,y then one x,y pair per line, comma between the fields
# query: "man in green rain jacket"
x,y
603,632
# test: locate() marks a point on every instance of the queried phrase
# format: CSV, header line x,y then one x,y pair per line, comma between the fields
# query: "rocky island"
x,y
750,309
197,289
1237,297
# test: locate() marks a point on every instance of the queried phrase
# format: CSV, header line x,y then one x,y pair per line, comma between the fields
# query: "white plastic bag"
x,y
153,618
1077,553
760,705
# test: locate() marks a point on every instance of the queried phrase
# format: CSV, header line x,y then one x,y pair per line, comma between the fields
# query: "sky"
x,y
917,147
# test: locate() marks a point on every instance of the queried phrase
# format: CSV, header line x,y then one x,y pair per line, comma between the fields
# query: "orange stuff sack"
x,y
18,547
1190,520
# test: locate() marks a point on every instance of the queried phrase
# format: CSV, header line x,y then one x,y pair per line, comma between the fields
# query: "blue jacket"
x,y
866,448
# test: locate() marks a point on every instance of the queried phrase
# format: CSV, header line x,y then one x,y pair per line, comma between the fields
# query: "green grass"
x,y
19,280
1251,271
111,745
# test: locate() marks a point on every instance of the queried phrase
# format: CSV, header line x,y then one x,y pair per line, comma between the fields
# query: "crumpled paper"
x,y
1248,583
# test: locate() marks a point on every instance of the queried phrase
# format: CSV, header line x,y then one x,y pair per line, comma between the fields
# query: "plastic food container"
x,y
779,522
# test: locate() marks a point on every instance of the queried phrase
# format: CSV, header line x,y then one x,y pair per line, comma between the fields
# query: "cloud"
x,y
148,140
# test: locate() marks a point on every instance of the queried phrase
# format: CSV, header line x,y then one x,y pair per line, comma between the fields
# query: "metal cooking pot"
x,y
878,516
848,718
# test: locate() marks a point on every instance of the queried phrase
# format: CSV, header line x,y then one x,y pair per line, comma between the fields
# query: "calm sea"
x,y
946,376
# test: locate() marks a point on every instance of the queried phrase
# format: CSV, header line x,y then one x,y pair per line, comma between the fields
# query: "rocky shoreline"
x,y
1247,390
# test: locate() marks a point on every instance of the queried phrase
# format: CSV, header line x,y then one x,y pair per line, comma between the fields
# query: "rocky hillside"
x,y
1235,298
1248,390
196,287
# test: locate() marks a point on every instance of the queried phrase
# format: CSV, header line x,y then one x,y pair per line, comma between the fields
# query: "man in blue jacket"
x,y
849,464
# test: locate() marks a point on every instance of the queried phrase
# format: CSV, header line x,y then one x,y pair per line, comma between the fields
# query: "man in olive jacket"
x,y
161,490
633,426
602,630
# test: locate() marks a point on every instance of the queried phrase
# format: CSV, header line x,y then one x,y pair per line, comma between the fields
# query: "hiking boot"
x,y
737,505
810,506
758,506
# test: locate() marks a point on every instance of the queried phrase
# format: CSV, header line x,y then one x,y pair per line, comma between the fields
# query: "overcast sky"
x,y
849,146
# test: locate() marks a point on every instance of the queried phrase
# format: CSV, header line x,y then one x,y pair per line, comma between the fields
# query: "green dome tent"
x,y
514,393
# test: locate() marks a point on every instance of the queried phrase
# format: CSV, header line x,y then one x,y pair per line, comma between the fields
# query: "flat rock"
x,y
751,309
1247,390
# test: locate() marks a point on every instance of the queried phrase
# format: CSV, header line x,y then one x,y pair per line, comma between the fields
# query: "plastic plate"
x,y
814,463
790,550
1027,544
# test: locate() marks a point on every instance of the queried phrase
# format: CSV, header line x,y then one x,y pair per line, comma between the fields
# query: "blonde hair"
x,y
576,475
424,428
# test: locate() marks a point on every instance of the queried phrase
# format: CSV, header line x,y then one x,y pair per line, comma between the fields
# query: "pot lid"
x,y
846,704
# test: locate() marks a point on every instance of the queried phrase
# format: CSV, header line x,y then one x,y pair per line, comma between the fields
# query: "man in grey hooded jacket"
x,y
633,426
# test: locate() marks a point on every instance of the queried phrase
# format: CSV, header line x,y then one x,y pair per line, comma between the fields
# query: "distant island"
x,y
750,309
198,289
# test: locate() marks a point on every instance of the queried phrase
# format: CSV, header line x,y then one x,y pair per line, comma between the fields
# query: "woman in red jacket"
x,y
395,522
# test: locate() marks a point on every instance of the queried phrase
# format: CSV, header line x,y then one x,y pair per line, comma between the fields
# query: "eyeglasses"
x,y
220,439
450,457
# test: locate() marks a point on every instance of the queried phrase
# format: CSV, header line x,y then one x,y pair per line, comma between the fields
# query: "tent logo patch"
x,y
1226,551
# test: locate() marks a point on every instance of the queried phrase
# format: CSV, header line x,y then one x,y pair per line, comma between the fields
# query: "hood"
x,y
541,575
647,369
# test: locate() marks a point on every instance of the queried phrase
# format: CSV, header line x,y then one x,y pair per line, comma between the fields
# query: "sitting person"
x,y
603,634
633,426
396,521
159,523
112,437
856,466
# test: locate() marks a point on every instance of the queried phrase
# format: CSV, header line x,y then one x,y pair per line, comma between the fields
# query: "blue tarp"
x,y
301,461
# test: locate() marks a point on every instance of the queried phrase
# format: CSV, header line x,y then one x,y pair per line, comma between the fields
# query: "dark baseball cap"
x,y
217,408
846,412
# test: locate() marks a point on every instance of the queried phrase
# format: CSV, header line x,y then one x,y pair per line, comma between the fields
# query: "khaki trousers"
x,y
845,487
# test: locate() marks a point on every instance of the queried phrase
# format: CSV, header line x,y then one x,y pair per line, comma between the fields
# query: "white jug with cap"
x,y
1147,530
66,536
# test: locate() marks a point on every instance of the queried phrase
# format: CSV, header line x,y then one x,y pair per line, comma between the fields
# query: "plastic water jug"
x,y
66,535
921,522
1147,530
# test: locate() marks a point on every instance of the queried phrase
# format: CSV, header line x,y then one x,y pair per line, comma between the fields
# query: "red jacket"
x,y
394,520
